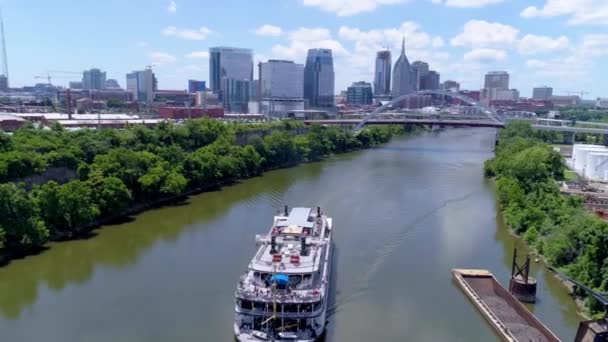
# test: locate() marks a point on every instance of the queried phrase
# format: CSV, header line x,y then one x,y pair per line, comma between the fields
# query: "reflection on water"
x,y
119,246
405,213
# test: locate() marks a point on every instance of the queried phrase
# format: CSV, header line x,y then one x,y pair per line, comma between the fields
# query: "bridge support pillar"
x,y
569,138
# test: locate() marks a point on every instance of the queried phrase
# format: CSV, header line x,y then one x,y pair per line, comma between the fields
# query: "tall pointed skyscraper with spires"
x,y
402,75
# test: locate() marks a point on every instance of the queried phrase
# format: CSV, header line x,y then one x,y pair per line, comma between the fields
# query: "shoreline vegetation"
x,y
118,173
558,228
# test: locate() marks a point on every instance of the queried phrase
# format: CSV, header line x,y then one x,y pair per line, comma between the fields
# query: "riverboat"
x,y
283,294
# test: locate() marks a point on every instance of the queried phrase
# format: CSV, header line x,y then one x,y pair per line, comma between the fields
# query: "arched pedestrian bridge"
x,y
487,118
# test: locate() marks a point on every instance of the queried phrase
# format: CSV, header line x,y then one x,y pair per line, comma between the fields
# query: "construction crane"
x,y
49,78
582,93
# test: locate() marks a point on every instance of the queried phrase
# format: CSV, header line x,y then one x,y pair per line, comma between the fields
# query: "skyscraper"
x,y
496,86
382,77
282,79
419,70
229,62
430,81
497,80
194,86
542,93
143,84
93,79
402,75
319,78
75,84
235,94
359,93
450,85
112,84
230,72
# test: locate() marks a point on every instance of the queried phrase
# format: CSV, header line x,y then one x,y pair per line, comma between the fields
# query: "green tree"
x,y
6,143
67,207
201,168
115,103
19,219
109,193
162,180
252,161
521,129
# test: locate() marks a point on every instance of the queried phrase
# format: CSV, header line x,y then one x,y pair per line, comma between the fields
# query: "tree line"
x,y
527,172
137,166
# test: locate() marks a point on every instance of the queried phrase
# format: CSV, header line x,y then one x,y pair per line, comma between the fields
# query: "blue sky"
x,y
561,43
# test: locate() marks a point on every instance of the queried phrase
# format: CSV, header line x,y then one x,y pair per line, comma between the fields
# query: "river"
x,y
405,214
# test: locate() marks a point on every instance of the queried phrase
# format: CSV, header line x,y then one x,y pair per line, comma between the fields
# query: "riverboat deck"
x,y
506,314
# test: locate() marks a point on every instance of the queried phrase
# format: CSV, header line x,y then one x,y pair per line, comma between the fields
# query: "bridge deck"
x,y
438,122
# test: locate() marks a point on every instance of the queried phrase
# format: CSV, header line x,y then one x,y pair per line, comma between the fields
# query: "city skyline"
x,y
535,44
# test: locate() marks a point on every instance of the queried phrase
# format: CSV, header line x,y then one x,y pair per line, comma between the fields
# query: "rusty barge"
x,y
510,318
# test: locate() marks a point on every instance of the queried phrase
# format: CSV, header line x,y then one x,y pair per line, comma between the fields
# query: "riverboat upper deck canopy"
x,y
298,217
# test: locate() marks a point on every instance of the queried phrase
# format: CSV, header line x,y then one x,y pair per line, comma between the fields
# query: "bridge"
x,y
432,122
487,117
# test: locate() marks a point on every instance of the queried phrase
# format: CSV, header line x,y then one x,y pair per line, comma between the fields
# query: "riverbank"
x,y
129,171
557,227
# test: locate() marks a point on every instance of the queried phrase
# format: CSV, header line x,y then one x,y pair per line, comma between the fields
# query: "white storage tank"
x,y
579,155
597,163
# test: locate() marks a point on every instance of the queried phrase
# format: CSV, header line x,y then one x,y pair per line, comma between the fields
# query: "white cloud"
x,y
304,38
561,69
595,45
172,8
349,7
485,55
532,44
438,42
190,68
189,34
415,38
160,58
575,68
269,30
310,34
468,3
480,33
198,55
579,11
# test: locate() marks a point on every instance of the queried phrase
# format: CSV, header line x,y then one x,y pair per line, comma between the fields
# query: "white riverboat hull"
x,y
249,337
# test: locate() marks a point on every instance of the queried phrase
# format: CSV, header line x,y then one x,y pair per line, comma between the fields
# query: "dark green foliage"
x,y
20,223
66,207
110,193
118,169
526,170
